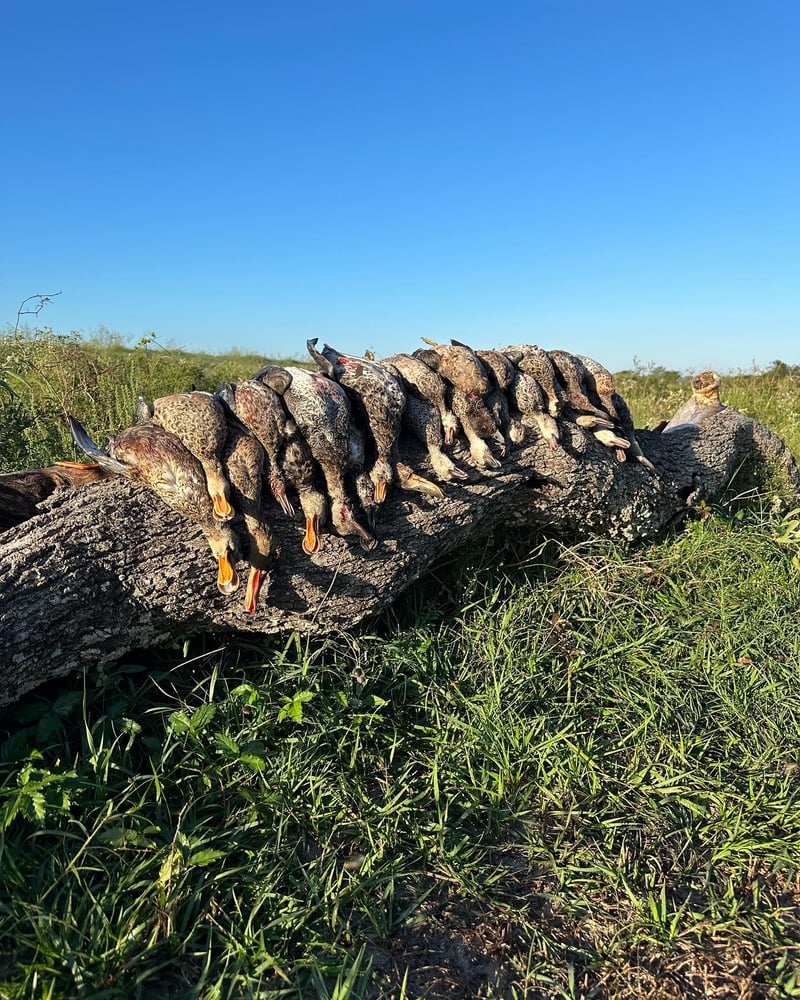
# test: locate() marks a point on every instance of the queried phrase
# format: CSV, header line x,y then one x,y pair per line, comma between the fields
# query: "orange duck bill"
x,y
222,508
311,537
227,580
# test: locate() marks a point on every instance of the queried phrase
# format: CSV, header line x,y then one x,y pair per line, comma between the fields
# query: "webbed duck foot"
x,y
409,480
499,439
366,540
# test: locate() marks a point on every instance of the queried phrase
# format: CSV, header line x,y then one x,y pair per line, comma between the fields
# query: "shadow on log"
x,y
107,568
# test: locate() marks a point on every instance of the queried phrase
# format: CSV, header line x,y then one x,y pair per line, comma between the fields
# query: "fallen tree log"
x,y
107,568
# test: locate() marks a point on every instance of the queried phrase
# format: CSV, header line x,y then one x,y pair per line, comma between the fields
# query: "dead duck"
x,y
198,419
459,365
600,385
421,380
380,397
525,396
301,471
149,454
533,361
405,477
468,382
575,380
422,419
261,411
244,461
478,425
501,376
321,410
705,402
357,470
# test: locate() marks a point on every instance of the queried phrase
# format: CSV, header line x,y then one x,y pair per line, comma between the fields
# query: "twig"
x,y
43,301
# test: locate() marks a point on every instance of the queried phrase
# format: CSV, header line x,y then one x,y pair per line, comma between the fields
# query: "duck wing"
x,y
85,443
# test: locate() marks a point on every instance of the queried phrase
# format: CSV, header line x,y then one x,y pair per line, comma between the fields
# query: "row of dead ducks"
x,y
207,455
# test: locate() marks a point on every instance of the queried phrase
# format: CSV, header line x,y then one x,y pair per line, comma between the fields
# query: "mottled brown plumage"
x,y
244,461
321,411
261,411
501,375
149,454
575,380
535,362
422,380
459,365
600,385
198,419
380,398
525,395
422,419
300,471
478,424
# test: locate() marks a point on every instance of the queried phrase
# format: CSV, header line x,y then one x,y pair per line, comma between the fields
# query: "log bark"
x,y
106,568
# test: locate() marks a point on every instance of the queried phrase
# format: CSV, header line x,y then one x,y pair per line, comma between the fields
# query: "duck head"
x,y
345,523
222,542
264,550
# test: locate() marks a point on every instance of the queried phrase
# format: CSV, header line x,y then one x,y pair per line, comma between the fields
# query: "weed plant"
x,y
44,376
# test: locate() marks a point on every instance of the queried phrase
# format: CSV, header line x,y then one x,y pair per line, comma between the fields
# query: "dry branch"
x,y
107,568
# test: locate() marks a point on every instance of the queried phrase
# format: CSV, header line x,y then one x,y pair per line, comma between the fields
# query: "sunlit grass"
x,y
582,761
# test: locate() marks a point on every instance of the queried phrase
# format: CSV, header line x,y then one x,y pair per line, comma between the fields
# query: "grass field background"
x,y
550,770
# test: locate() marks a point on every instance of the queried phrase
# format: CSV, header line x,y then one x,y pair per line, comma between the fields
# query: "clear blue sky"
x,y
615,177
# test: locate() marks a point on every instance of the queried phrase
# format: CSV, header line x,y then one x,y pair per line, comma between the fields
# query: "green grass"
x,y
576,773
773,397
548,771
44,376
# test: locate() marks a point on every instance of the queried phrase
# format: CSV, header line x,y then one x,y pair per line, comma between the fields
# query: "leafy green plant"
x,y
788,535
